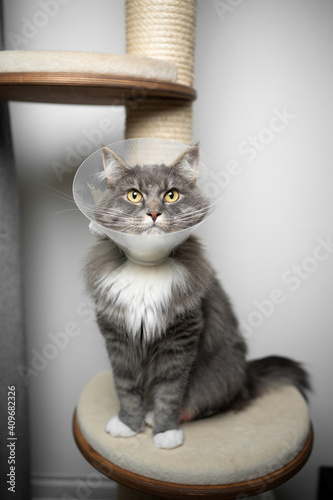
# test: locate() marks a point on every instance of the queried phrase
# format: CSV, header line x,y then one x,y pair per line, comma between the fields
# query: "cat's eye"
x,y
171,196
134,196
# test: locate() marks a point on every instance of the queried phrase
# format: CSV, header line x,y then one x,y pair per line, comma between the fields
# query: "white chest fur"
x,y
141,296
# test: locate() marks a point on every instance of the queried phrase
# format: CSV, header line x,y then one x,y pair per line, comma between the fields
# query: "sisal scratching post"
x,y
162,29
160,118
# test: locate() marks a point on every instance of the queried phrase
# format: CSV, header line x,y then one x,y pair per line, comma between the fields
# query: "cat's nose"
x,y
154,215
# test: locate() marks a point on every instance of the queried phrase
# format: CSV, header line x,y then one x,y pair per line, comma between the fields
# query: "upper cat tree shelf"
x,y
87,78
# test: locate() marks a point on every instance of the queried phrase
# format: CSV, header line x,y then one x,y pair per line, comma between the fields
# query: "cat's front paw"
x,y
117,428
169,439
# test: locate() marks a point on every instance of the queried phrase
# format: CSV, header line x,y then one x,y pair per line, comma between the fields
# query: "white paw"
x,y
117,428
149,418
169,439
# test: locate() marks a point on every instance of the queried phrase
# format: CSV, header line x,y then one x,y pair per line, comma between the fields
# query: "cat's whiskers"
x,y
199,210
59,194
110,214
67,210
194,215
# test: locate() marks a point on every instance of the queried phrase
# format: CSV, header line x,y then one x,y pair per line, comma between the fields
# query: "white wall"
x,y
254,60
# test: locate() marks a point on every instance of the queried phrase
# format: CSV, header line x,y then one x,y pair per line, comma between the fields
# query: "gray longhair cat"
x,y
173,340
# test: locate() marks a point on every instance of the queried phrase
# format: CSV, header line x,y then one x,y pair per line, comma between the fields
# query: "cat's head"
x,y
151,199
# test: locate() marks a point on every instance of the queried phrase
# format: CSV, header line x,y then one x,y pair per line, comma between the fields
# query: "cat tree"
x,y
227,456
262,455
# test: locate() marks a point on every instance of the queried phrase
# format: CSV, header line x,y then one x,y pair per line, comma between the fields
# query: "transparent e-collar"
x,y
89,186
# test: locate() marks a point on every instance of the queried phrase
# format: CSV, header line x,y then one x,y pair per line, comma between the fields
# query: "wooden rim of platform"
x,y
179,491
86,88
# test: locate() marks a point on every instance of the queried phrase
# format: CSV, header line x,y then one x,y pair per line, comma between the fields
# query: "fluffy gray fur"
x,y
114,210
196,365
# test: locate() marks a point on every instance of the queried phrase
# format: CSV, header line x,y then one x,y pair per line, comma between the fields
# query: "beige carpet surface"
x,y
225,448
119,65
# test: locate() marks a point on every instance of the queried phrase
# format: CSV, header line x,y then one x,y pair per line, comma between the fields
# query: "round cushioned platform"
x,y
17,61
226,448
75,77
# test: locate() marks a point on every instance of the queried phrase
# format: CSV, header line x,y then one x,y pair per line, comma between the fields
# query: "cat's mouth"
x,y
153,226
153,230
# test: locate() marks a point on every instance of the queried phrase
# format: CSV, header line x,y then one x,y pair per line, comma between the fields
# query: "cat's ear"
x,y
188,164
114,166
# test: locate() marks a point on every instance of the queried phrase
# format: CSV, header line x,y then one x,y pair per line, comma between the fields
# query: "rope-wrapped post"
x,y
162,29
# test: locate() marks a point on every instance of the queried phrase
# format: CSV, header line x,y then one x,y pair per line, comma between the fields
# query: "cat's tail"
x,y
266,373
